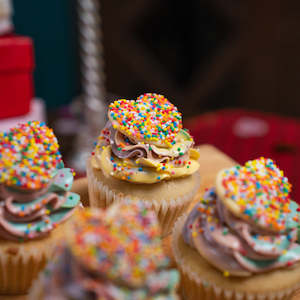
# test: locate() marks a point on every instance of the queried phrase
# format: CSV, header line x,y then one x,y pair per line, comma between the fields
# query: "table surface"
x,y
211,161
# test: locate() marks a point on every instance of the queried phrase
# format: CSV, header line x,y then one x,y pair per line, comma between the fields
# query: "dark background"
x,y
202,54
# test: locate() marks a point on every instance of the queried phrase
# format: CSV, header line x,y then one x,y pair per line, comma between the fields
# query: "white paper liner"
x,y
193,287
100,195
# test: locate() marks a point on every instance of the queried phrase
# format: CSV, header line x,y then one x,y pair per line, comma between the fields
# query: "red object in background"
x,y
16,81
281,140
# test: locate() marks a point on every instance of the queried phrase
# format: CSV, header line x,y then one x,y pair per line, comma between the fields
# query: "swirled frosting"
x,y
26,215
115,255
239,245
34,185
144,142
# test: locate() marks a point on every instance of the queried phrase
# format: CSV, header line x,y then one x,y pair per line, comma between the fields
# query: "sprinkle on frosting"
x,y
261,191
235,246
150,118
28,155
121,244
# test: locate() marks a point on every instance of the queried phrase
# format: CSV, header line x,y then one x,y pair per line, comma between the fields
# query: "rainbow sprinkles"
x,y
28,155
259,192
151,118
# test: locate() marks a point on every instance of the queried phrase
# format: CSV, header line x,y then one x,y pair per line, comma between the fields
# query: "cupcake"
x,y
240,241
35,202
112,255
144,154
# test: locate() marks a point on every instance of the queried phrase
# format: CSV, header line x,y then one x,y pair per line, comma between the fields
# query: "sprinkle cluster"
x,y
121,244
210,219
261,191
150,118
28,155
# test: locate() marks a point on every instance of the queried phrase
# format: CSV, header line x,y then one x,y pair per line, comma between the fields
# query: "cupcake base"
x,y
21,262
200,280
168,198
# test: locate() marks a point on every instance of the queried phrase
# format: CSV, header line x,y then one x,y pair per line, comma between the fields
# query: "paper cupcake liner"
x,y
192,287
21,262
18,274
100,195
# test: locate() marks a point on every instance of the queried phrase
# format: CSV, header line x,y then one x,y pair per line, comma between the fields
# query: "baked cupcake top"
x,y
144,142
113,255
247,224
34,185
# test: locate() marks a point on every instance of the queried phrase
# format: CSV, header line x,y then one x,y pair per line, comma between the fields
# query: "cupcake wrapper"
x,y
18,274
192,287
20,263
100,195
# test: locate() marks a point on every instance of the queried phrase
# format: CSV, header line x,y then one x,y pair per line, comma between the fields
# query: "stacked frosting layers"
x,y
143,144
115,255
247,228
35,198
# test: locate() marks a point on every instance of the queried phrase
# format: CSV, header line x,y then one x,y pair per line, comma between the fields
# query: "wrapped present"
x,y
16,81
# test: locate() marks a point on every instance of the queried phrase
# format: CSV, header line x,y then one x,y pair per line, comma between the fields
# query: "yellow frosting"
x,y
179,160
151,171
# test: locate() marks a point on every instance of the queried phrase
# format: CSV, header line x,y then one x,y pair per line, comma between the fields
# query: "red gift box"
x,y
16,81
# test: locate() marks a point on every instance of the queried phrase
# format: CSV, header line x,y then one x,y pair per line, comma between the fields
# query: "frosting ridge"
x,y
25,216
234,246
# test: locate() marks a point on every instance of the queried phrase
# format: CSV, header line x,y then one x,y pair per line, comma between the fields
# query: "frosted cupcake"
x,y
115,255
240,241
34,200
144,154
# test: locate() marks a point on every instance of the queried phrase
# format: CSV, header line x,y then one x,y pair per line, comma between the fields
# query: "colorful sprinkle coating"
x,y
261,191
151,118
121,244
28,155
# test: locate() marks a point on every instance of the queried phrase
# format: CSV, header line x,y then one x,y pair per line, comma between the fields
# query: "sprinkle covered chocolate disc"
x,y
151,118
28,156
258,192
120,244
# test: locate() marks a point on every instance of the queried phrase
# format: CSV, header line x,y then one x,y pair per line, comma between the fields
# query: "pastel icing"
x,y
239,245
34,185
24,219
115,254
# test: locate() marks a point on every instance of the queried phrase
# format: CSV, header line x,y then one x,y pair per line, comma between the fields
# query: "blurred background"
x,y
206,55
230,66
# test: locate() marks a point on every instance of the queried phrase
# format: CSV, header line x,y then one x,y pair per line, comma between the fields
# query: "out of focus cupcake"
x,y
240,241
113,255
35,202
144,154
